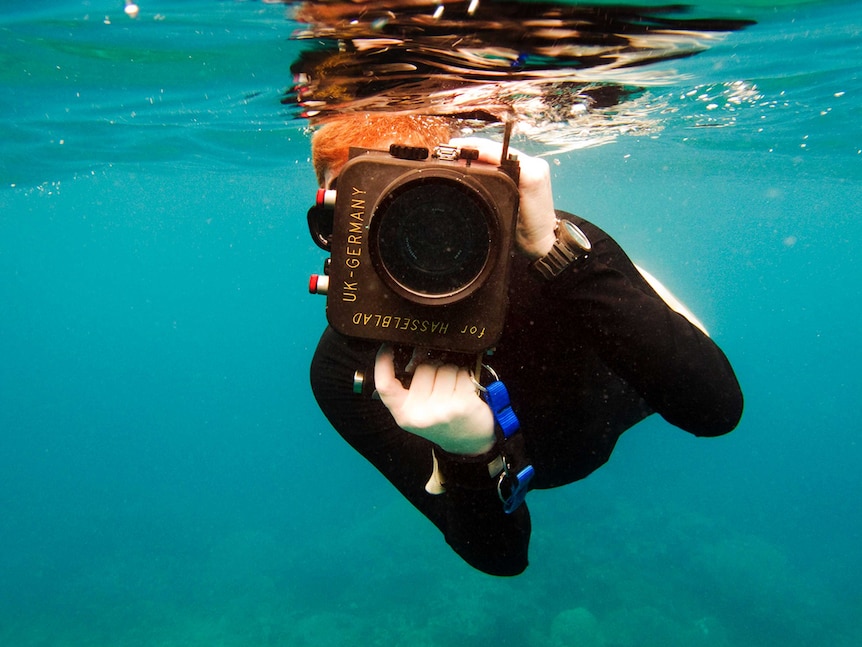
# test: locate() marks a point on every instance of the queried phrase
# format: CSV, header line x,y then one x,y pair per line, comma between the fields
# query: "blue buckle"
x,y
497,397
519,490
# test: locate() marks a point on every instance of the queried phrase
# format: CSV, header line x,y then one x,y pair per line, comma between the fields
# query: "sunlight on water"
x,y
567,76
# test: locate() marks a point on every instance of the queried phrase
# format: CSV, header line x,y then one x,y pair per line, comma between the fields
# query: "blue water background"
x,y
165,477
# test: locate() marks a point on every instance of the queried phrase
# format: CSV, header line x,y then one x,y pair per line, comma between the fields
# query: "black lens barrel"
x,y
432,237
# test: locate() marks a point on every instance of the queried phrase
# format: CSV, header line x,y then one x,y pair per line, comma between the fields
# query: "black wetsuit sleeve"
x,y
678,370
470,515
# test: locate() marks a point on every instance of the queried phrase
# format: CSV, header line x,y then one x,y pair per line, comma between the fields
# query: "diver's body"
x,y
584,356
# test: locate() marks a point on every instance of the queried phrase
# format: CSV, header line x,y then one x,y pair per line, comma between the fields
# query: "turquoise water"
x,y
165,478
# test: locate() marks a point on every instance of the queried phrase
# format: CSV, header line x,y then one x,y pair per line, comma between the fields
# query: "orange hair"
x,y
330,145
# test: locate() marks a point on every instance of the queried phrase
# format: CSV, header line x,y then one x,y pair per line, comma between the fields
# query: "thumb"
x,y
389,388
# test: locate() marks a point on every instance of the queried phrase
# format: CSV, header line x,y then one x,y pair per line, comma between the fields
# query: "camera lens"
x,y
432,237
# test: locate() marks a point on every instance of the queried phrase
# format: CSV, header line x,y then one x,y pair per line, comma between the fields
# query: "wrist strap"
x,y
464,472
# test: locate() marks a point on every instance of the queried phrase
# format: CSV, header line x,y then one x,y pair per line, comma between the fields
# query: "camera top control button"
x,y
408,152
446,153
469,154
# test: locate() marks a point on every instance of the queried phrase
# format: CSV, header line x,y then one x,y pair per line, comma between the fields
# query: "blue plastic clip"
x,y
520,487
497,397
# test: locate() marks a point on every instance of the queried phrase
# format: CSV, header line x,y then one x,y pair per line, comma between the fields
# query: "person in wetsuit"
x,y
585,355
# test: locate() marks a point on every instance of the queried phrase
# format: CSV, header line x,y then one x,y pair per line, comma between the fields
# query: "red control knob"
x,y
318,284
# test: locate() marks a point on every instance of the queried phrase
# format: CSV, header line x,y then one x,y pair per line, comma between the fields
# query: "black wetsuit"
x,y
584,357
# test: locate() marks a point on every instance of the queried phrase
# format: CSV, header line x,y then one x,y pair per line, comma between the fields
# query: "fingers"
x,y
444,380
441,404
537,220
389,388
431,382
465,383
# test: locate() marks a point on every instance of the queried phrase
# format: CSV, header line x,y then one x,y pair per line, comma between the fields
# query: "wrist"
x,y
535,245
540,247
479,472
470,446
570,247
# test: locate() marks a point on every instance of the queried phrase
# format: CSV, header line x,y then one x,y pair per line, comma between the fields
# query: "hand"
x,y
441,405
537,221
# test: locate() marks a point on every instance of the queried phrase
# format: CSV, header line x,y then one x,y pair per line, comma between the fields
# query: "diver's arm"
x,y
442,406
681,373
469,512
476,526
675,367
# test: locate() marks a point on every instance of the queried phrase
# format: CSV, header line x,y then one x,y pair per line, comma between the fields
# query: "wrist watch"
x,y
571,245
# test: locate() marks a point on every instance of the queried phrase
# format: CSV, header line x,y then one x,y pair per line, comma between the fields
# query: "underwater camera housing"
x,y
421,244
